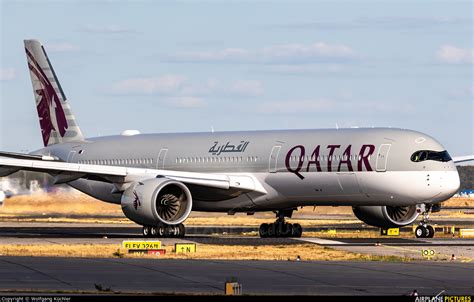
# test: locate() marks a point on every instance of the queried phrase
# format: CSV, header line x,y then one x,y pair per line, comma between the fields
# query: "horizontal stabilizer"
x,y
462,159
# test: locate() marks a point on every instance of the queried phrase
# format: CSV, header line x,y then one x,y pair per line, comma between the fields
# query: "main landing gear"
x,y
164,231
280,228
424,230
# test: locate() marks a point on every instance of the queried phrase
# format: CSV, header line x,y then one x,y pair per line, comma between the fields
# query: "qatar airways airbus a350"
x,y
389,176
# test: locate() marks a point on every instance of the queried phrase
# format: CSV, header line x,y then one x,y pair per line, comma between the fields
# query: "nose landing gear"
x,y
424,230
280,228
164,231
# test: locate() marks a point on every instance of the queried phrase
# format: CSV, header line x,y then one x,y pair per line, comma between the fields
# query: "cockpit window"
x,y
423,155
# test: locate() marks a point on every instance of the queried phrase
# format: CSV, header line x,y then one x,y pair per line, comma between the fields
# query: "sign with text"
x,y
390,232
159,252
142,245
185,247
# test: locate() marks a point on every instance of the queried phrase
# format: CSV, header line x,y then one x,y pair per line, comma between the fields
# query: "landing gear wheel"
x,y
280,228
263,230
297,230
161,231
182,230
175,231
288,230
164,231
430,231
272,232
425,230
421,232
146,231
167,231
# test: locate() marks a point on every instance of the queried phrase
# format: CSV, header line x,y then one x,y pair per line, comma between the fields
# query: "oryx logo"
x,y
136,201
50,110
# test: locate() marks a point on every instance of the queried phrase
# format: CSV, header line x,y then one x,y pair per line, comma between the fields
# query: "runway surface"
x,y
113,229
228,235
80,233
257,277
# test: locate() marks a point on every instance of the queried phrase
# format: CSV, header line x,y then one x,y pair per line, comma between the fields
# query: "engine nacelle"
x,y
386,216
157,201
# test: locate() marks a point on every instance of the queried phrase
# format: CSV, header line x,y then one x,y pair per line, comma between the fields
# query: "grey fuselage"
x,y
357,166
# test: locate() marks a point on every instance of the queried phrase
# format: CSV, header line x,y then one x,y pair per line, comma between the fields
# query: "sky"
x,y
187,66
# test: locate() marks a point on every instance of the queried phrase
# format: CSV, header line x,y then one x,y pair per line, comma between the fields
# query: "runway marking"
x,y
325,242
462,258
321,241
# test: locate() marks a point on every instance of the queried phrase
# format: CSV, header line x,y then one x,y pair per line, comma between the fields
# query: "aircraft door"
x,y
349,184
70,157
382,157
161,158
273,160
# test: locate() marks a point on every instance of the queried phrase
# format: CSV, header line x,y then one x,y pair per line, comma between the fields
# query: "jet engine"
x,y
157,201
386,216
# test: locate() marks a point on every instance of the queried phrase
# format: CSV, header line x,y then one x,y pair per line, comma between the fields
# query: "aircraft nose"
x,y
452,183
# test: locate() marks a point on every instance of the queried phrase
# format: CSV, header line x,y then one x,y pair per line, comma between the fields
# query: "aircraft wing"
x,y
123,176
461,159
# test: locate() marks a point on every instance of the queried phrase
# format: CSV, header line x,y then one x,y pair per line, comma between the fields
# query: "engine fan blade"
x,y
397,213
169,206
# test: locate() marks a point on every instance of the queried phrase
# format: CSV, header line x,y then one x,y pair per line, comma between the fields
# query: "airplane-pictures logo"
x,y
441,298
136,202
217,148
296,160
49,107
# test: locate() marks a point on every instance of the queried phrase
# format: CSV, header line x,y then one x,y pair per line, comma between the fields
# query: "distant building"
x,y
465,194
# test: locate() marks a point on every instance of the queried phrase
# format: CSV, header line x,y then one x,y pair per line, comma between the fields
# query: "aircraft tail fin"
x,y
57,122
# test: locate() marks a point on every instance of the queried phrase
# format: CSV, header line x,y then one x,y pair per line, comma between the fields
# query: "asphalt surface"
x,y
88,229
67,233
28,274
257,277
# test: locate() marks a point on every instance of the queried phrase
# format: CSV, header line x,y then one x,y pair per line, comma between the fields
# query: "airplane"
x,y
389,176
